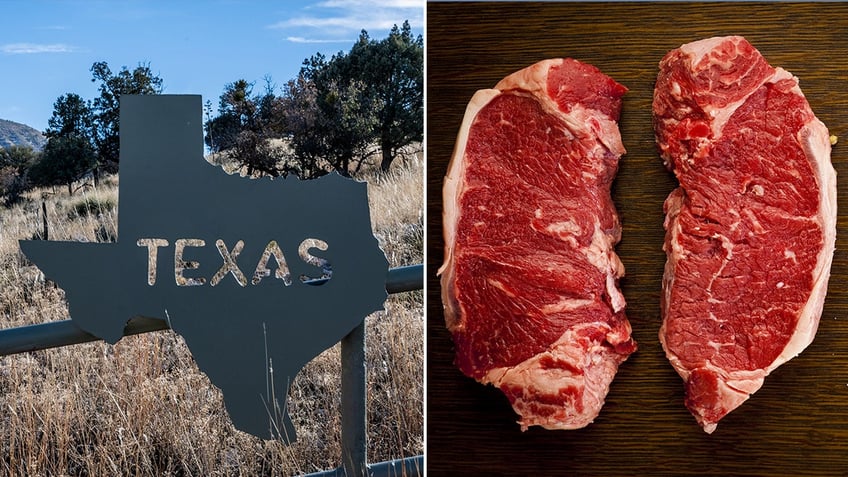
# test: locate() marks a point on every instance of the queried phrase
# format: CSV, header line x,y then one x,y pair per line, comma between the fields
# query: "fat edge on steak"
x,y
713,390
583,358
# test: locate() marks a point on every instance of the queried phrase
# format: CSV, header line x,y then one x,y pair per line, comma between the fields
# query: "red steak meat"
x,y
530,278
750,232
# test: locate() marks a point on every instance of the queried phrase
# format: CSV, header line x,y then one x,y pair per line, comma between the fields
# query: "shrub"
x,y
12,185
91,206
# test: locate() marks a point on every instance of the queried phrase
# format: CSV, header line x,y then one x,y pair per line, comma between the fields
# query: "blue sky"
x,y
196,47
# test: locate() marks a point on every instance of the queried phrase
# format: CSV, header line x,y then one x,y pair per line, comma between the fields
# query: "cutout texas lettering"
x,y
232,263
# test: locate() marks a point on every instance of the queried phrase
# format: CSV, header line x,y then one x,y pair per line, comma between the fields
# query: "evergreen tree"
x,y
15,162
335,114
245,125
65,159
106,106
393,69
70,152
72,116
374,94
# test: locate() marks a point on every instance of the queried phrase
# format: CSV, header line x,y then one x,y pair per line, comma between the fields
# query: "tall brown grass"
x,y
142,408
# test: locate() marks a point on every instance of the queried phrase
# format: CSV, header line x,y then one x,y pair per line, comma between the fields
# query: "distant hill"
x,y
17,134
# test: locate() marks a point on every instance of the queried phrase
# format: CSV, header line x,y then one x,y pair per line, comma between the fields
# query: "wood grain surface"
x,y
797,424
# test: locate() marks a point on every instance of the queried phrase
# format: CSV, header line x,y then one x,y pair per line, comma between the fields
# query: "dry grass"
x,y
141,407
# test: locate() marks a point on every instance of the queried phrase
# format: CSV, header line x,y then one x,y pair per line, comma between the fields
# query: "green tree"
x,y
334,115
393,70
244,127
72,116
344,119
236,112
374,94
70,150
106,106
346,123
299,116
15,162
19,158
65,159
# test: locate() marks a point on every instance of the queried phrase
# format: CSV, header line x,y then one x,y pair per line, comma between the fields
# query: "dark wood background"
x,y
797,424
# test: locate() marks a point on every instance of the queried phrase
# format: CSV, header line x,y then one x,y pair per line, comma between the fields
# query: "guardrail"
x,y
354,420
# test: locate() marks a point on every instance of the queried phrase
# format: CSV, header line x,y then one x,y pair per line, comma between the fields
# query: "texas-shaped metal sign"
x,y
258,275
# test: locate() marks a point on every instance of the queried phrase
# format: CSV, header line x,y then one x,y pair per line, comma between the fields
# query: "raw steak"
x,y
530,278
750,232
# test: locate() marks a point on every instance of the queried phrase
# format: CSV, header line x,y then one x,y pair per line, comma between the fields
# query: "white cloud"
x,y
300,39
327,19
349,23
34,48
419,4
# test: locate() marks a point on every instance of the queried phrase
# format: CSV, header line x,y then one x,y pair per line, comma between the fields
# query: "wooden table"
x,y
797,424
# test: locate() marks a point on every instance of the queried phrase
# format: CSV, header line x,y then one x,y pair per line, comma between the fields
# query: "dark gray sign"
x,y
259,276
